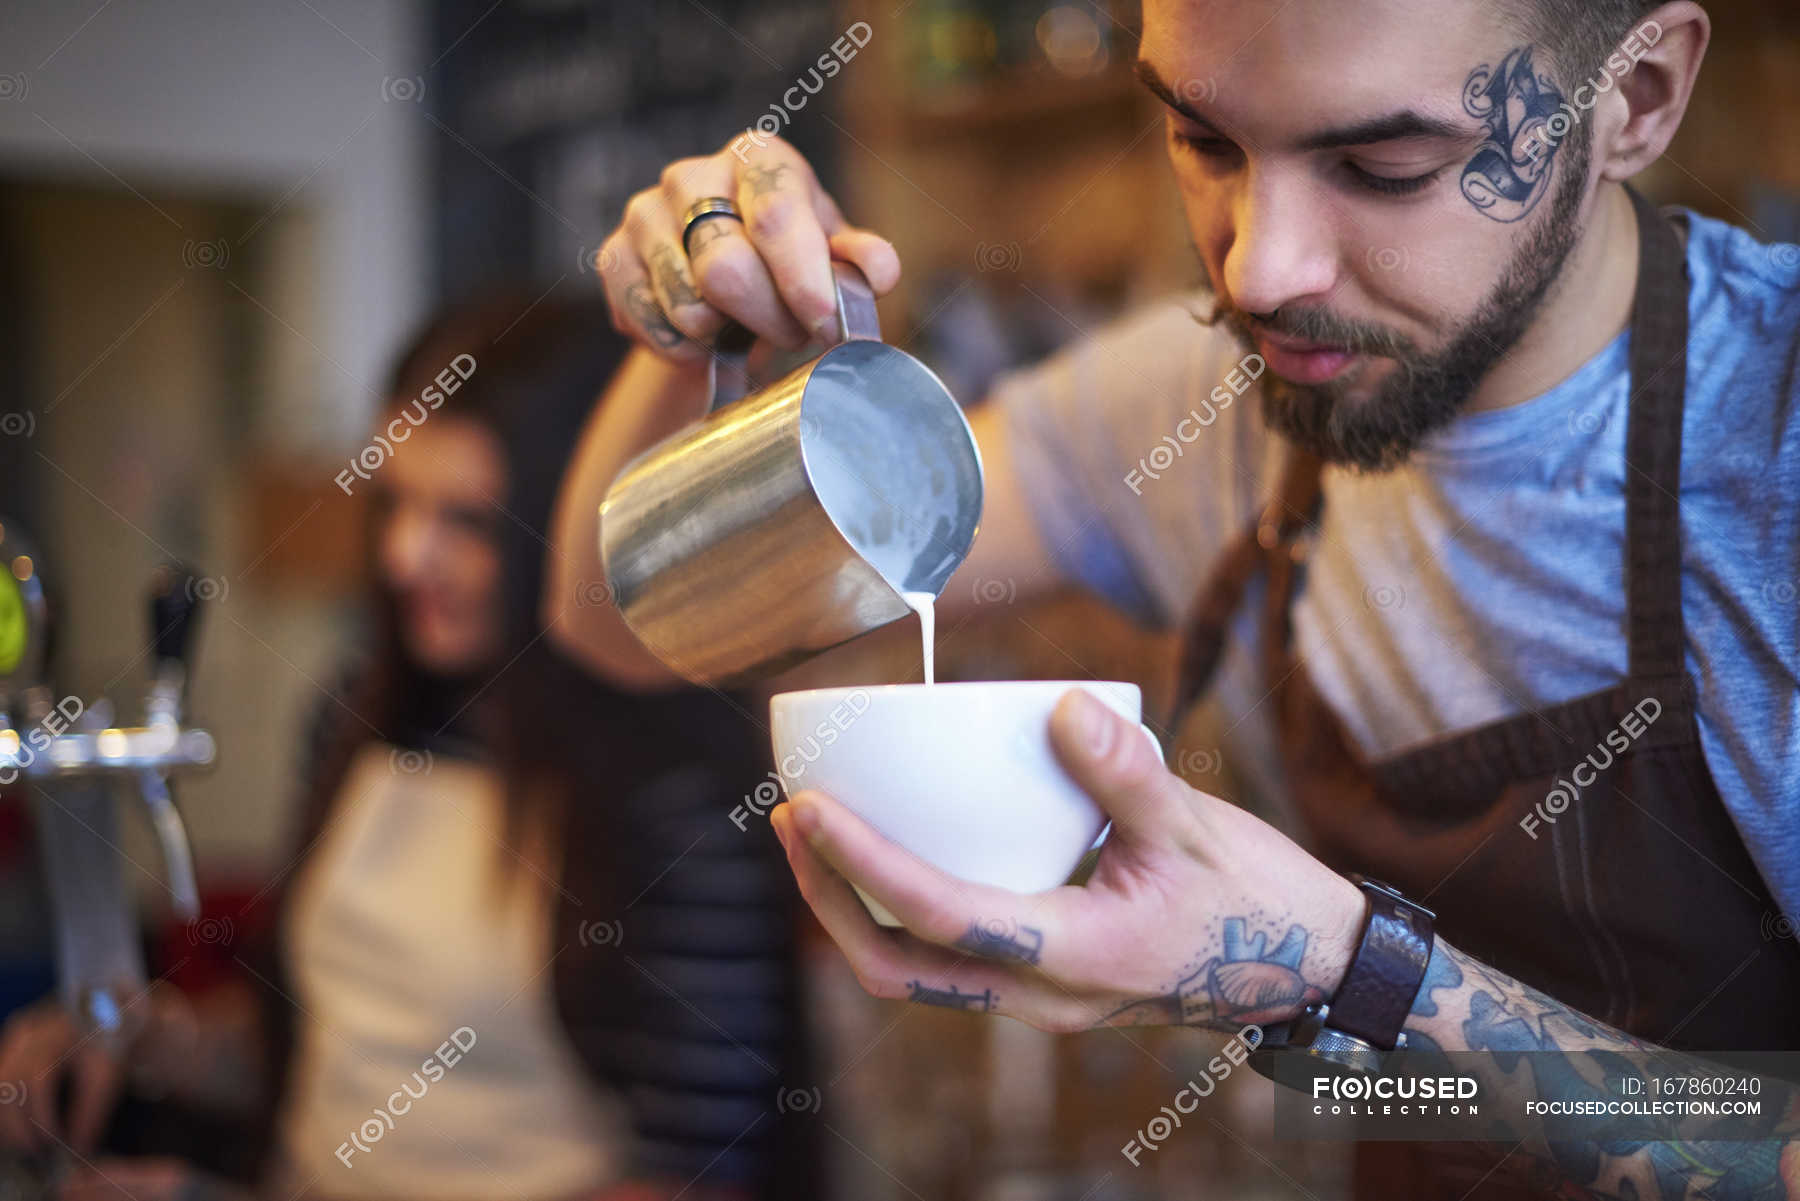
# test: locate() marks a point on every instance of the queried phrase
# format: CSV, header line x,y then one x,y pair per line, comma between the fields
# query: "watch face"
x,y
12,624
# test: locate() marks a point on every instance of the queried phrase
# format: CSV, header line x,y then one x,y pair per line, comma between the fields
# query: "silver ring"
x,y
701,210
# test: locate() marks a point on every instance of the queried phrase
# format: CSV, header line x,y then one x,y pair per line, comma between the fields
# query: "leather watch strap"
x,y
1384,976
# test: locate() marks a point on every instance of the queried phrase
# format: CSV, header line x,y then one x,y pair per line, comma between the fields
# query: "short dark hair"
x,y
1578,34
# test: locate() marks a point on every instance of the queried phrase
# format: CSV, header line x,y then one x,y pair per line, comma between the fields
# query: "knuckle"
x,y
1129,761
675,177
675,308
637,217
937,921
766,143
809,891
698,321
1062,1019
773,215
808,303
874,980
727,275
612,253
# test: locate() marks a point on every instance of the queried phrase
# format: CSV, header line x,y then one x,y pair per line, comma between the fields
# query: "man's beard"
x,y
1427,390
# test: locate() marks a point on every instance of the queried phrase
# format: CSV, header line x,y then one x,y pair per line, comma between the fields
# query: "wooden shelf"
x,y
1023,98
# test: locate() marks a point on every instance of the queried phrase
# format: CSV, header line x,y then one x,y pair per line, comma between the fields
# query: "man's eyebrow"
x,y
1149,78
1407,123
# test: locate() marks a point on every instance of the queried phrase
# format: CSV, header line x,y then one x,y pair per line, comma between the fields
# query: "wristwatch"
x,y
1364,1017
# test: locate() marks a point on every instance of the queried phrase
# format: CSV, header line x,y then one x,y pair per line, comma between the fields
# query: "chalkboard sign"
x,y
546,115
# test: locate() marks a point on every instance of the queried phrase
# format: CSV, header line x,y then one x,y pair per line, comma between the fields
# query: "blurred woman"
x,y
524,952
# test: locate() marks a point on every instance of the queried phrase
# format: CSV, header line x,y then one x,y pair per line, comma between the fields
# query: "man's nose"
x,y
1282,248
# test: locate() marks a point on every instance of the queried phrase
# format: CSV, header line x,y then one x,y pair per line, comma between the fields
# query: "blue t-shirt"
x,y
1485,577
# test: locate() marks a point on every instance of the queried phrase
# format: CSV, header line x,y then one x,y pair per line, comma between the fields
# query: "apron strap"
x,y
1295,505
1659,336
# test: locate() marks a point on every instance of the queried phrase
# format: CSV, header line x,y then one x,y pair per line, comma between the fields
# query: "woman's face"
x,y
440,494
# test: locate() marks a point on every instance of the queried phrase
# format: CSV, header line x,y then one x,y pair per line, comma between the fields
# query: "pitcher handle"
x,y
857,319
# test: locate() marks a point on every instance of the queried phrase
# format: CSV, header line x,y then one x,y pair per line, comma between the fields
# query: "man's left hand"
x,y
1197,912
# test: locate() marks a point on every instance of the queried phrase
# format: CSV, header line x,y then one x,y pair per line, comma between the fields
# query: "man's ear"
x,y
1660,59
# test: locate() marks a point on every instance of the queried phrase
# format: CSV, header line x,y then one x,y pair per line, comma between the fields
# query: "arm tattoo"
x,y
763,180
1507,1017
1441,972
1245,982
672,276
951,998
1511,171
991,941
647,313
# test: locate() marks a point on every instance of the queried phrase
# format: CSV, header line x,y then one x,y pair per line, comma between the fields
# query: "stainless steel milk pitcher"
x,y
791,519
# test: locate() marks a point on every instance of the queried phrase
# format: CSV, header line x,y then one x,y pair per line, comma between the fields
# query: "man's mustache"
x,y
1309,325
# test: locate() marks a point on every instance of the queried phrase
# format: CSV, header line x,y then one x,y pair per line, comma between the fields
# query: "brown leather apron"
x,y
1638,904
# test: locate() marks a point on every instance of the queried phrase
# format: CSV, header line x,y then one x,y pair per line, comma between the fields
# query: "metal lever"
x,y
174,609
857,319
171,836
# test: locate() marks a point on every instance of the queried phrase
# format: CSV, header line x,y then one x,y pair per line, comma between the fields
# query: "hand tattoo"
x,y
1250,984
647,313
671,274
1246,983
1511,171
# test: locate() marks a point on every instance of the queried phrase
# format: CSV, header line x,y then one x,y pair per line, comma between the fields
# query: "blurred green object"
x,y
954,41
12,623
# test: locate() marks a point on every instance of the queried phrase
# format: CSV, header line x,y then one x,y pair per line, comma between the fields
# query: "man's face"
x,y
1374,196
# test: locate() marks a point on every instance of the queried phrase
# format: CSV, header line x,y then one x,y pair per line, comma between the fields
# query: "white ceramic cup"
x,y
962,775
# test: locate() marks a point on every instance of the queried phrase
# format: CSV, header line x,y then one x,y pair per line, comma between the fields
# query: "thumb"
x,y
1114,763
97,1076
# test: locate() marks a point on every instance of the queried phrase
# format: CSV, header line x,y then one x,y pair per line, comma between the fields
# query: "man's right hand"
x,y
770,272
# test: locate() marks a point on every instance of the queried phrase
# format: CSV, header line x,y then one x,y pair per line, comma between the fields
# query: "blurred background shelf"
x,y
1023,101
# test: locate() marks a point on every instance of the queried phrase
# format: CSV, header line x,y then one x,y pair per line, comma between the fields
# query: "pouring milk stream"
x,y
925,605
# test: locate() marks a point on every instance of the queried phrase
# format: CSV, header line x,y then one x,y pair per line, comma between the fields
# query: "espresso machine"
x,y
75,768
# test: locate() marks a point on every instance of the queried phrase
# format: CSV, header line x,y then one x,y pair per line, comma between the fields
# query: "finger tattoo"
x,y
763,180
647,313
950,998
993,941
705,235
673,277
